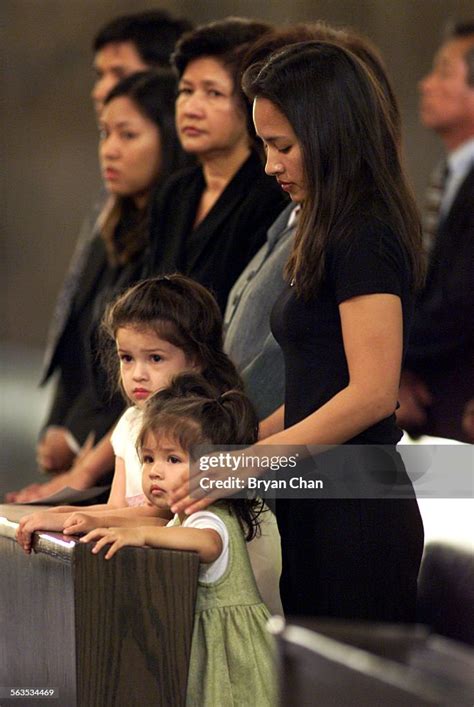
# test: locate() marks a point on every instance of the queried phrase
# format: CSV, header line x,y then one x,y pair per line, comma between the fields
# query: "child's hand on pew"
x,y
40,520
116,538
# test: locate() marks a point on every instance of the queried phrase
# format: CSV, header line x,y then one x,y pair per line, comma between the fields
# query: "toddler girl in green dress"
x,y
231,655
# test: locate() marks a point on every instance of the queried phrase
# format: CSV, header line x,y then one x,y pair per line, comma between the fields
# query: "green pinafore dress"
x,y
232,654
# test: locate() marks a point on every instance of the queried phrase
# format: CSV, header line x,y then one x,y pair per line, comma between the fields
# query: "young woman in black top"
x,y
138,149
343,324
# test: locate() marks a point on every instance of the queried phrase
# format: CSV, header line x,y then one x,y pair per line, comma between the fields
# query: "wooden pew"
x,y
102,633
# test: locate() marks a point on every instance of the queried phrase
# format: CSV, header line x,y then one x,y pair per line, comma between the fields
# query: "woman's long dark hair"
x,y
180,311
124,227
349,138
192,412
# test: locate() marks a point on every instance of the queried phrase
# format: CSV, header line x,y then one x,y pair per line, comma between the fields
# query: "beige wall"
x,y
49,137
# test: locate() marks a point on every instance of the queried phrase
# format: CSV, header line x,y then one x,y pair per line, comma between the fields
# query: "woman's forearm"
x,y
347,414
272,424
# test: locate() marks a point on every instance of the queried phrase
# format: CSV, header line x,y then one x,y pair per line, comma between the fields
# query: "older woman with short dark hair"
x,y
210,220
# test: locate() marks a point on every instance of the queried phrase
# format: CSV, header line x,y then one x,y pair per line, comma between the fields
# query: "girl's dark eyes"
x,y
126,358
147,459
173,459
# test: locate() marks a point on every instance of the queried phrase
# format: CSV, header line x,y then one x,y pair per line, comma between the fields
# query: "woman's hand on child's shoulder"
x,y
208,482
116,538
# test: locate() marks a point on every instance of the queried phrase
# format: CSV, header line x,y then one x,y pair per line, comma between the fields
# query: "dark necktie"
x,y
433,200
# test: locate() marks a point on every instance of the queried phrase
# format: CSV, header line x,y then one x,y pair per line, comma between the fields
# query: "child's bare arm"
x,y
54,519
205,541
146,511
117,497
83,522
71,509
57,518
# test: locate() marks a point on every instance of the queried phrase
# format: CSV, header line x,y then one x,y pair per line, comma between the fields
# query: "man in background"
x,y
438,379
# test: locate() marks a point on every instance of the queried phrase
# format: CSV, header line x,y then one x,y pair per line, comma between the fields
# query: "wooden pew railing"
x,y
113,633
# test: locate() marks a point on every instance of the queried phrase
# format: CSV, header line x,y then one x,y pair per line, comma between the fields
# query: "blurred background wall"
x,y
50,175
